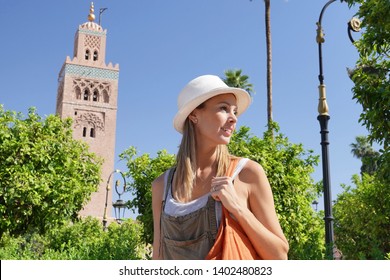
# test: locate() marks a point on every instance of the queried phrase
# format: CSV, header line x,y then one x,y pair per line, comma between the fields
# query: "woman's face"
x,y
215,121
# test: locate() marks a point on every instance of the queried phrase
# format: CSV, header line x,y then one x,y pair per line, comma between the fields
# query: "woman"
x,y
187,198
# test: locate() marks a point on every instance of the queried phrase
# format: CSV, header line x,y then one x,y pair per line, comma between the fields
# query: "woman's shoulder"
x,y
159,182
251,165
252,170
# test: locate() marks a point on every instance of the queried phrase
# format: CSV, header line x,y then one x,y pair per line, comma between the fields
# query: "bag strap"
x,y
236,165
168,176
239,166
232,167
167,184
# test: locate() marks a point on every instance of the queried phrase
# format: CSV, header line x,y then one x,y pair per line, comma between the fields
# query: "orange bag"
x,y
231,242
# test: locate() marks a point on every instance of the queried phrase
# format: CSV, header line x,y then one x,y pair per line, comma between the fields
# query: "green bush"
x,y
83,240
362,219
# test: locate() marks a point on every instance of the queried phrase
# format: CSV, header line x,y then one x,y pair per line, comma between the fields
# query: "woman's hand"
x,y
222,189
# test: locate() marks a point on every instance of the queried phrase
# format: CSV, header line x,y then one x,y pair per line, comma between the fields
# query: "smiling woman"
x,y
189,198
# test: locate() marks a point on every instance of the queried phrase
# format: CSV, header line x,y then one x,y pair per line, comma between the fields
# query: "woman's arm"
x,y
260,221
157,196
251,203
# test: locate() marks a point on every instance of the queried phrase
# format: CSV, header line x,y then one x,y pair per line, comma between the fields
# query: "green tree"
x,y
235,78
363,150
45,175
288,167
371,75
362,219
362,212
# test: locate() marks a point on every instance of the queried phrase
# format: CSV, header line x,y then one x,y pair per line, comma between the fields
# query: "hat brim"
x,y
243,101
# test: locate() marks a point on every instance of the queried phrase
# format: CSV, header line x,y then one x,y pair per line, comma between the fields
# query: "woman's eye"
x,y
224,108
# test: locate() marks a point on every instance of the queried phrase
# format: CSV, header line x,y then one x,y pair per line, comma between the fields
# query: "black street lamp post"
x,y
323,118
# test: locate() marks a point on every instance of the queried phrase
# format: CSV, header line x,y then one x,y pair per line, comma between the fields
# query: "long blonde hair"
x,y
185,175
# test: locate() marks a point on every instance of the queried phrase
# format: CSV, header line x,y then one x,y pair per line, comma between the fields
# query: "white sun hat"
x,y
201,89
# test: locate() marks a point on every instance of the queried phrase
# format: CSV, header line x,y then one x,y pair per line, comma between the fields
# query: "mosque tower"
x,y
87,93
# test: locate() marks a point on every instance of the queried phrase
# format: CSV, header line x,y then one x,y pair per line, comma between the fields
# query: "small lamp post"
x,y
119,205
315,205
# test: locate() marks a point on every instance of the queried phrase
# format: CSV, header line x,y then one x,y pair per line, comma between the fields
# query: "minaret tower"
x,y
87,93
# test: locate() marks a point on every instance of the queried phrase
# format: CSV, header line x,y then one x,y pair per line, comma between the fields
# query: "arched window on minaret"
x,y
95,55
86,94
106,98
87,54
92,133
84,131
95,96
78,92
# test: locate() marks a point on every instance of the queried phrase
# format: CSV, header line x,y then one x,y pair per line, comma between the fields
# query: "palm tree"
x,y
269,60
234,78
364,151
268,40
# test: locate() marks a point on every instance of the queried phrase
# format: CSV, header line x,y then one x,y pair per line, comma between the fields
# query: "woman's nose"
x,y
233,117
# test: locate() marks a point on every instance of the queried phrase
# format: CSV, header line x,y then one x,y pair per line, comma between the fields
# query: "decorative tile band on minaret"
x,y
91,72
92,32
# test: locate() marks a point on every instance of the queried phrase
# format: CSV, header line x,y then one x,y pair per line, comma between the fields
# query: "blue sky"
x,y
161,45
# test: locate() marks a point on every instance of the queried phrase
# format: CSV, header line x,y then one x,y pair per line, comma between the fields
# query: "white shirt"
x,y
177,209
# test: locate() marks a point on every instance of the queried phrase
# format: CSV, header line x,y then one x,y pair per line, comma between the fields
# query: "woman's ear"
x,y
193,117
